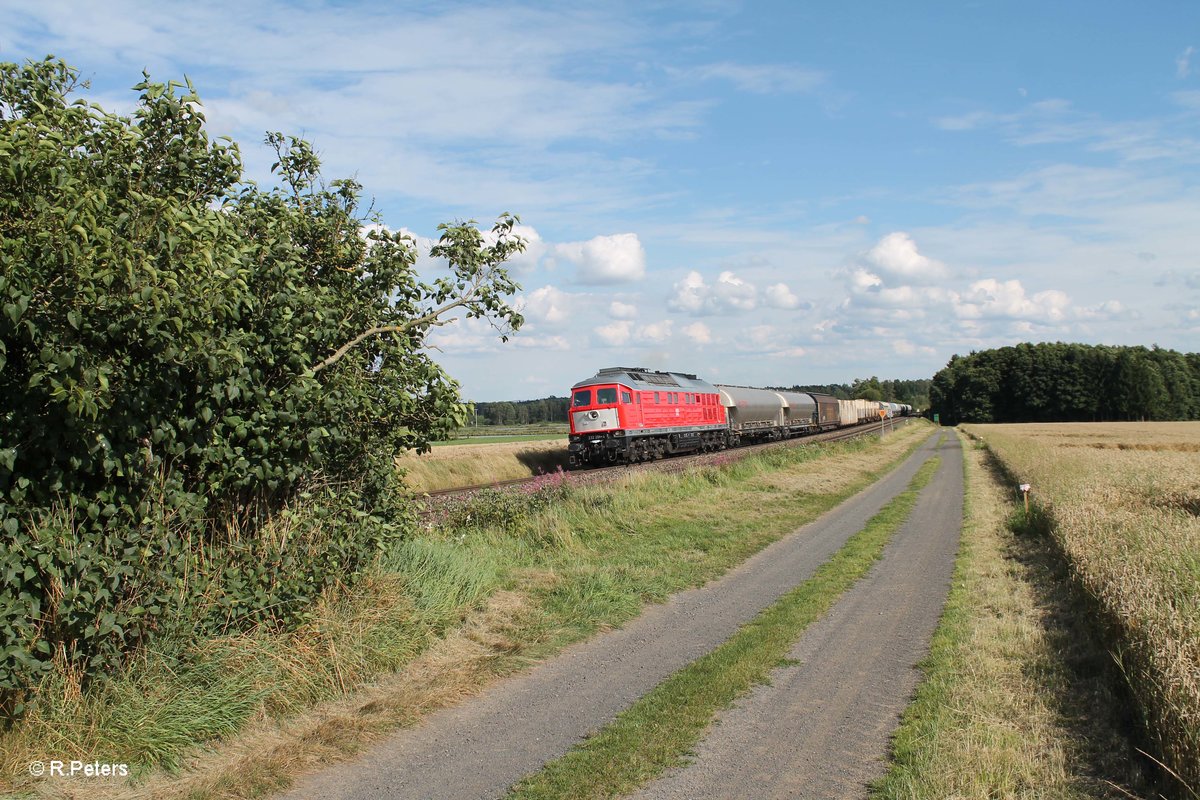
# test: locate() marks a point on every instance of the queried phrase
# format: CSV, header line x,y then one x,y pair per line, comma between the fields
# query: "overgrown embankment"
x,y
1122,503
435,618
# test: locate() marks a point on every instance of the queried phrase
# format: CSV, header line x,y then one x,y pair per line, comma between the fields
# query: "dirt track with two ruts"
x,y
820,729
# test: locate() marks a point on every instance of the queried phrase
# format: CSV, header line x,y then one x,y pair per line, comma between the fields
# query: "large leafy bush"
x,y
182,354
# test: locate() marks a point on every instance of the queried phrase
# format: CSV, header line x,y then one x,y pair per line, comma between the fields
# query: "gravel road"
x,y
481,747
821,728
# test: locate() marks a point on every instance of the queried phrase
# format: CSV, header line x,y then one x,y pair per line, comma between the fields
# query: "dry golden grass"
x,y
472,464
1124,499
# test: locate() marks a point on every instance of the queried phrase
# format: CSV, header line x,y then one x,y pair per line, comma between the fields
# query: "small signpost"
x,y
1025,487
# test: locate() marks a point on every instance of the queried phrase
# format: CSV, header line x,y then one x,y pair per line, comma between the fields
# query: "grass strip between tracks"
x,y
662,727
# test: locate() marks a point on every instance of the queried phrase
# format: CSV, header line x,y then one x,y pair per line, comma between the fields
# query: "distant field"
x,y
499,438
1122,502
494,432
467,463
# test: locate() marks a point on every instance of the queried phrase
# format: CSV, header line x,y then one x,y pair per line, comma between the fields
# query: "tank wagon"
x,y
630,414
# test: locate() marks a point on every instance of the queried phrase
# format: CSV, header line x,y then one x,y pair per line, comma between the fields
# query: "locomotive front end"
x,y
596,428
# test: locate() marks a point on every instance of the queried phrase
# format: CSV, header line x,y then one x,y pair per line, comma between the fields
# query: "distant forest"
x,y
1068,383
554,409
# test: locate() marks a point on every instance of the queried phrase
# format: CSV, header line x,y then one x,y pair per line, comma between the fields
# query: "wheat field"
x,y
1124,501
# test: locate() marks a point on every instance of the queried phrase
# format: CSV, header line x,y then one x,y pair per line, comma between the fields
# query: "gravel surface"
x,y
484,745
822,728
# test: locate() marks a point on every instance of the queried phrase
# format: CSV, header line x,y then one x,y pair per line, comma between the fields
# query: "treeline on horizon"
x,y
555,409
1063,382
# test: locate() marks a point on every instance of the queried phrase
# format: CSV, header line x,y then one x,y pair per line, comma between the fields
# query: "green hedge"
x,y
181,354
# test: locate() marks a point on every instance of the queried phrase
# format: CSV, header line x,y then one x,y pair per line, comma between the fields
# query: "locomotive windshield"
x,y
583,397
606,396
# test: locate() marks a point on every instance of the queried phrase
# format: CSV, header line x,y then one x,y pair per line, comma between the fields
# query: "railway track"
x,y
437,498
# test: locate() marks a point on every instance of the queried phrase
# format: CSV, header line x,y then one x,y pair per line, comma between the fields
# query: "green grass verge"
x,y
661,728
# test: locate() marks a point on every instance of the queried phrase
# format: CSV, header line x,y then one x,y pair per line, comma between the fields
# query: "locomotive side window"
x,y
626,397
656,400
583,397
606,396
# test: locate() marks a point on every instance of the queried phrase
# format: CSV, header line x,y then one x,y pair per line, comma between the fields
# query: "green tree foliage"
x,y
546,409
183,353
914,393
1057,382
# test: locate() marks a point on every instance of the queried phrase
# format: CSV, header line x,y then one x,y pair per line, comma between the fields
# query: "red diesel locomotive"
x,y
628,414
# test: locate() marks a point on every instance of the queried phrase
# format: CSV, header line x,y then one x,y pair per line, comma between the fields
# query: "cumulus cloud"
x,y
619,258
778,295
729,294
698,332
896,257
993,299
559,343
656,331
768,340
619,310
547,304
615,334
527,260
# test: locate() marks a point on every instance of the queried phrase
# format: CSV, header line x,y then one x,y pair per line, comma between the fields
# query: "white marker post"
x,y
1025,487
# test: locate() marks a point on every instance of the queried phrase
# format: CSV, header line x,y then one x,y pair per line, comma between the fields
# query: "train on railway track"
x,y
623,415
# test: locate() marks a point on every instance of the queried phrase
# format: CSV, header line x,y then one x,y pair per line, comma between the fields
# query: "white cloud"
x,y
615,334
619,310
1189,99
896,256
993,299
619,258
547,304
656,332
727,295
778,295
527,260
698,332
1183,66
559,343
762,79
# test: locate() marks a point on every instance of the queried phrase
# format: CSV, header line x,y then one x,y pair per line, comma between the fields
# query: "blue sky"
x,y
760,193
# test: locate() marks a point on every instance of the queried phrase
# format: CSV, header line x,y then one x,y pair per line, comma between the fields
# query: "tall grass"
x,y
1125,520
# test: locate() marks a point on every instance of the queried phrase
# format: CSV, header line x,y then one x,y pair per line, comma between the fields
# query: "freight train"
x,y
623,415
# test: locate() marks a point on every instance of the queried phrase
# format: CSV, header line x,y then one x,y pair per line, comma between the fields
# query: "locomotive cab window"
x,y
606,396
626,397
583,398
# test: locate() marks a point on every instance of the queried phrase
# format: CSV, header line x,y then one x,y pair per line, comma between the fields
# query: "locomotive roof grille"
x,y
651,376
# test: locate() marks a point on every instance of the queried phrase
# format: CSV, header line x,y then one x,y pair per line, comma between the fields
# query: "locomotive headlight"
x,y
593,414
